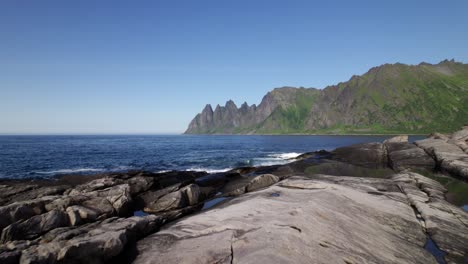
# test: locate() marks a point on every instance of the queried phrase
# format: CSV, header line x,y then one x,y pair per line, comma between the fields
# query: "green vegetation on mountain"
x,y
392,98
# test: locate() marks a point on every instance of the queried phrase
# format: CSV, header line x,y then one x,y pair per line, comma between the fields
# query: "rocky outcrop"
x,y
395,153
367,154
89,223
403,155
34,226
449,153
187,196
446,224
94,243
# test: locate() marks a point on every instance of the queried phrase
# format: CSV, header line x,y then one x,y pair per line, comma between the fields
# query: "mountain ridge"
x,y
387,99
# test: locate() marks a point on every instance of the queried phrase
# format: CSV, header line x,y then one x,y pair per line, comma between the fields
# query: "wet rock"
x,y
34,226
10,257
23,210
22,192
243,170
92,243
163,180
355,225
372,155
95,185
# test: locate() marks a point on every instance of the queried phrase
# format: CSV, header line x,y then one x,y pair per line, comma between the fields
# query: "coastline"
x,y
395,183
305,134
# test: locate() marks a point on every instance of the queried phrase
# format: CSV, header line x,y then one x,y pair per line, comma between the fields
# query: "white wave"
x,y
286,156
268,161
162,171
275,159
209,170
66,171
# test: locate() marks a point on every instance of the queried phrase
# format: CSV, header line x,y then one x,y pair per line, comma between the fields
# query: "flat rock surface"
x,y
299,220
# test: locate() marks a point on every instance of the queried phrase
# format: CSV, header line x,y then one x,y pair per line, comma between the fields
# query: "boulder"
x,y
192,192
449,157
461,135
397,139
140,184
261,181
79,215
95,185
94,243
34,226
372,155
439,136
147,198
22,192
23,210
403,156
184,197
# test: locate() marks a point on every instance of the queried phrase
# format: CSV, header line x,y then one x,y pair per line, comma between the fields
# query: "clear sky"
x,y
150,66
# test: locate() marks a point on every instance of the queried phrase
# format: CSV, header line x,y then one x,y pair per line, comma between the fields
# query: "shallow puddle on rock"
x,y
432,248
465,208
213,202
275,194
139,213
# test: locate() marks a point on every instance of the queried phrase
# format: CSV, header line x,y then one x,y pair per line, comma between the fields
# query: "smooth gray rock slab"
x,y
298,220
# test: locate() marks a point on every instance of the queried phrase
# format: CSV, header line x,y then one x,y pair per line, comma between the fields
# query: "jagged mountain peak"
x,y
390,98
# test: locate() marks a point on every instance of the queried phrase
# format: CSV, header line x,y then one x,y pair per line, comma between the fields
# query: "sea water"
x,y
49,156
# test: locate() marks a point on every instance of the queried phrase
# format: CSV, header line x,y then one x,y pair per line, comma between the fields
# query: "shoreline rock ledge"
x,y
366,203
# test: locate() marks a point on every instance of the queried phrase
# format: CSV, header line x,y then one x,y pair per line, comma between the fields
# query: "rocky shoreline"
x,y
365,203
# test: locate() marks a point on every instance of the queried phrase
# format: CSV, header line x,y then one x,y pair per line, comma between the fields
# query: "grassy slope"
x,y
392,99
291,118
389,99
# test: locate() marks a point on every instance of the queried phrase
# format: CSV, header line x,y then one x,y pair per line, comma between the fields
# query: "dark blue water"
x,y
46,156
435,251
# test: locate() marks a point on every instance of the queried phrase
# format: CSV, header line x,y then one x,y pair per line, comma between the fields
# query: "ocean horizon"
x,y
48,156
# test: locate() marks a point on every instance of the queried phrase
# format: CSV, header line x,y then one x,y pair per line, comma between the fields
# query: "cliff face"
x,y
392,98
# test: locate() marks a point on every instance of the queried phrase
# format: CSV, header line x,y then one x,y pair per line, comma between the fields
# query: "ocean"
x,y
50,156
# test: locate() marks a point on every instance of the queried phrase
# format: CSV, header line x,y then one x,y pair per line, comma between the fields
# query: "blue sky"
x,y
150,66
